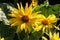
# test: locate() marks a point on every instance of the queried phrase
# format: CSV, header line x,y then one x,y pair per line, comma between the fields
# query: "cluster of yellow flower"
x,y
25,18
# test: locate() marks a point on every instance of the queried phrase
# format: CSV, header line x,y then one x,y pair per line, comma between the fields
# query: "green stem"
x,y
15,2
18,36
27,36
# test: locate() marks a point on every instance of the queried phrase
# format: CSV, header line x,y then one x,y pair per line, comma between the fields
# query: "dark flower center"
x,y
45,22
25,19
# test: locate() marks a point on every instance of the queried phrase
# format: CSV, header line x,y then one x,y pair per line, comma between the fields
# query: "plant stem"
x,y
27,36
15,3
18,36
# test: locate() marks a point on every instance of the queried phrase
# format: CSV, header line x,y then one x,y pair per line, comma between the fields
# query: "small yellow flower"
x,y
47,22
1,38
35,2
23,18
54,36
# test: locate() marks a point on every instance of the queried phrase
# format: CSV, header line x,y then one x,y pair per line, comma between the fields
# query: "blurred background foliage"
x,y
9,33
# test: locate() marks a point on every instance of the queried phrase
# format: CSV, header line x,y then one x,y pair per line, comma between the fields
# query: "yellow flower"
x,y
35,2
37,27
55,36
1,38
47,22
23,18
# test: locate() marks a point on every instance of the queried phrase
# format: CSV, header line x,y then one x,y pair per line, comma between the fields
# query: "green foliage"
x,y
36,36
53,9
6,31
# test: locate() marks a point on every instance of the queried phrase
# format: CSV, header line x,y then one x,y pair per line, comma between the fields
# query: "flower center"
x,y
45,22
25,19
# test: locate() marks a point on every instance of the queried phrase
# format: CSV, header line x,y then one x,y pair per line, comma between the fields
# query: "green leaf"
x,y
6,31
56,8
36,35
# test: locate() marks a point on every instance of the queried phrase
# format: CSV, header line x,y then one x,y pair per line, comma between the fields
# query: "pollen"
x,y
25,19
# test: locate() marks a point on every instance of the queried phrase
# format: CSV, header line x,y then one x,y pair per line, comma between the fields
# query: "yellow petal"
x,y
26,9
18,28
30,9
27,29
50,35
39,16
22,9
15,14
18,6
44,38
23,26
37,28
14,24
54,35
43,29
57,27
12,15
57,35
15,10
12,20
59,39
52,18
